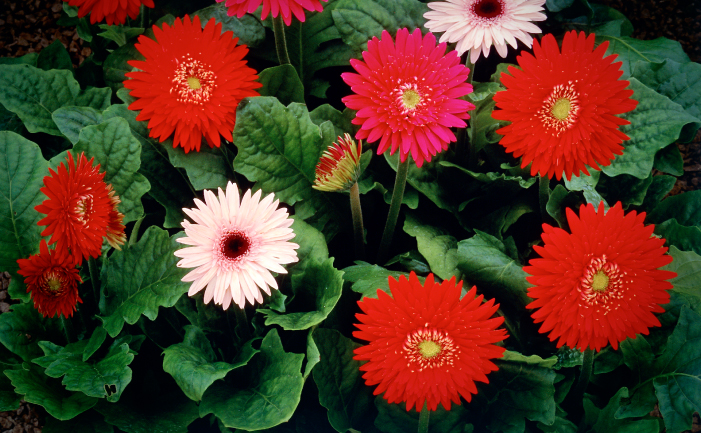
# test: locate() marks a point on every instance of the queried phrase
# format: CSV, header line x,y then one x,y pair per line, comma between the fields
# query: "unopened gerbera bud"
x,y
339,166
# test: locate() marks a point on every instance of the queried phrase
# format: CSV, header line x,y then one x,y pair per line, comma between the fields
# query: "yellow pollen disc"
x,y
561,109
411,98
600,282
54,285
429,349
194,83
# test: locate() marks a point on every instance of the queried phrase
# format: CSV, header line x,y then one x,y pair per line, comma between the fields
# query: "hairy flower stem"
x,y
423,419
94,278
357,214
280,43
242,325
397,197
585,374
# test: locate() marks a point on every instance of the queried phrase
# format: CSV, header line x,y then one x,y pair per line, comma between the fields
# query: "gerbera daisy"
x,y
339,166
408,95
112,11
563,105
426,344
600,283
285,7
476,25
115,229
190,82
77,208
234,246
52,281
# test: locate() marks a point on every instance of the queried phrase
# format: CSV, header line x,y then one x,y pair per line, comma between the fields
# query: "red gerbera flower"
x,y
52,281
77,209
407,94
427,344
112,11
191,82
286,7
563,105
115,229
601,283
339,166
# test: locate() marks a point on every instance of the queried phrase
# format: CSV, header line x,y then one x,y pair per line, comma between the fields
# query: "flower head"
x,y
234,244
407,95
112,11
52,281
600,283
339,166
563,105
425,343
115,235
77,208
476,25
285,7
190,83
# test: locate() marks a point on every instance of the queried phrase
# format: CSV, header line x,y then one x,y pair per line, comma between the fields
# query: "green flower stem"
x,y
94,278
424,416
397,197
584,376
242,324
280,43
134,232
543,196
357,213
67,328
472,157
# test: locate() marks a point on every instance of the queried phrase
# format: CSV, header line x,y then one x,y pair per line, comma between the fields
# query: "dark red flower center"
x,y
194,82
488,8
52,284
235,245
429,348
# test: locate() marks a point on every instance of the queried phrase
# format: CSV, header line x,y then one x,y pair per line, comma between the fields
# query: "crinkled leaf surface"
x,y
265,397
680,82
687,265
248,29
654,124
341,387
319,286
631,50
70,120
22,170
366,278
23,327
607,423
283,83
139,279
119,155
685,208
438,247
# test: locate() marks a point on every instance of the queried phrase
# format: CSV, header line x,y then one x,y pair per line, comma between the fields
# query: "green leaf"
x,y
55,56
22,170
608,21
341,120
319,286
483,260
119,155
677,81
119,33
37,388
669,160
312,245
22,327
9,400
607,423
439,248
638,355
248,28
678,381
192,363
607,360
394,418
587,185
631,50
283,83
687,265
661,186
558,5
70,120
132,285
524,385
625,188
105,378
265,395
313,356
115,65
683,237
684,208
367,278
86,422
341,387
485,125
655,123
206,169
560,199
96,339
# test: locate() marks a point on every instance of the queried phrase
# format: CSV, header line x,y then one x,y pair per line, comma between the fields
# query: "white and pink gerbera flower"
x,y
234,244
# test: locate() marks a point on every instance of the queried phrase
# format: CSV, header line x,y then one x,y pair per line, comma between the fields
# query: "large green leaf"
x,y
394,418
70,120
655,123
105,378
192,363
9,400
631,50
37,388
606,421
263,396
687,265
312,245
341,387
437,246
366,279
248,28
283,83
685,208
484,261
55,56
680,82
687,238
139,279
23,327
524,385
22,170
34,94
319,287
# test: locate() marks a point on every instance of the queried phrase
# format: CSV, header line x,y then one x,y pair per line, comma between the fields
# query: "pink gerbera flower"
x,y
407,95
285,7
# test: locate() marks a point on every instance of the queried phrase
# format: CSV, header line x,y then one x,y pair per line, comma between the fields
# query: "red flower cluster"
x,y
81,210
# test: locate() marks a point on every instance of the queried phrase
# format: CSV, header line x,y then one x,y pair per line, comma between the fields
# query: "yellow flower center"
x,y
429,349
194,83
53,284
561,109
600,282
411,98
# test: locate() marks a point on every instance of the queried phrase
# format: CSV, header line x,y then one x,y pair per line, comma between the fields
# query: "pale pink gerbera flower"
x,y
476,25
234,246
